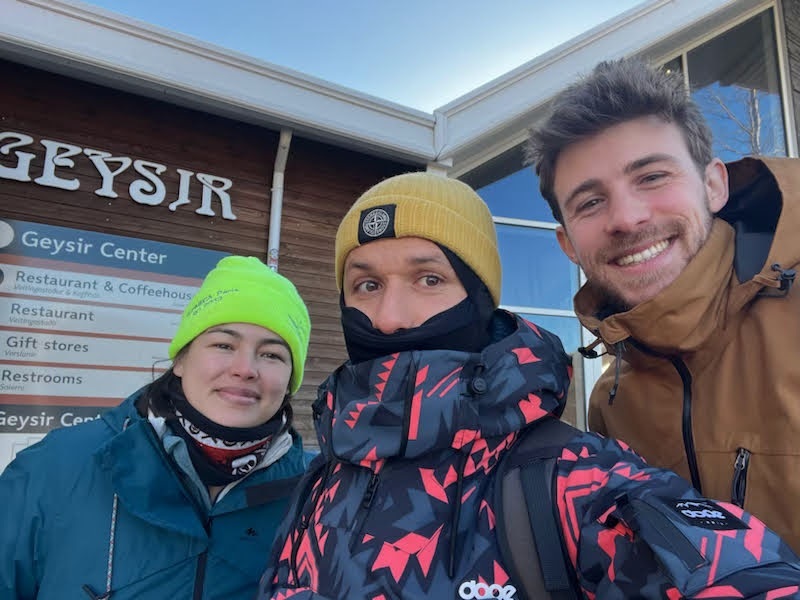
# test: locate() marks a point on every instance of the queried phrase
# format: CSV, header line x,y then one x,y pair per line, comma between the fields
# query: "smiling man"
x,y
689,267
635,217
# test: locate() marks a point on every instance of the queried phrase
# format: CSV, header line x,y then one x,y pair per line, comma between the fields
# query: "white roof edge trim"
x,y
550,57
309,102
493,107
176,40
132,51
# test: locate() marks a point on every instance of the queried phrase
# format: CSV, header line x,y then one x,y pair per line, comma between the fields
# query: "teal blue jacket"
x,y
57,500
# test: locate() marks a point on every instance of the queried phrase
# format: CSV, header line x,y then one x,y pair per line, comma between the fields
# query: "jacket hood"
x,y
746,254
763,209
410,403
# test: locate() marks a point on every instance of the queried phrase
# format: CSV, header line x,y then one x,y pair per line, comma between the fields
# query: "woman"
x,y
177,492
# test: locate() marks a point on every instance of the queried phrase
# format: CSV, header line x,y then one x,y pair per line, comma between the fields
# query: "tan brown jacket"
x,y
738,345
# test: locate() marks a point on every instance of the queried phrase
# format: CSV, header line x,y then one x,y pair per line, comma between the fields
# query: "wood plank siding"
x,y
321,182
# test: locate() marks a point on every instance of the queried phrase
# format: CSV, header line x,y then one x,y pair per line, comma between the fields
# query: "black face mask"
x,y
464,327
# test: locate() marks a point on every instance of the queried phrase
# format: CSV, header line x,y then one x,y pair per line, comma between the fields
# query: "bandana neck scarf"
x,y
220,454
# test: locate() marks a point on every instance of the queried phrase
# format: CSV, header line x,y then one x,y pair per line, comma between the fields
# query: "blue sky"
x,y
419,53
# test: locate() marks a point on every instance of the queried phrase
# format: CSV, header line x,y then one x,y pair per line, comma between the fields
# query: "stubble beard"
x,y
614,302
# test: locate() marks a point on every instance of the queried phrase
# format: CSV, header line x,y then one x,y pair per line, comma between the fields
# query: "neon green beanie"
x,y
244,290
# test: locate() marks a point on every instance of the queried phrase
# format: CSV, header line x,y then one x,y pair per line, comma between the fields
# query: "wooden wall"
x,y
320,186
321,182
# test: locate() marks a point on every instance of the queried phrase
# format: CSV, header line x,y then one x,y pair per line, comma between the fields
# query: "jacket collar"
x,y
683,315
148,488
411,403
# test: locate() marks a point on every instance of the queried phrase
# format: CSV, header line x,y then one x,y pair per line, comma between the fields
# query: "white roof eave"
x,y
67,35
494,117
77,39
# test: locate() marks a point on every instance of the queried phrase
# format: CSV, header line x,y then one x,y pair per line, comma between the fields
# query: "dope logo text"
x,y
470,590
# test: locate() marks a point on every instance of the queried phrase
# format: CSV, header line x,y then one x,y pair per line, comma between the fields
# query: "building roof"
x,y
82,41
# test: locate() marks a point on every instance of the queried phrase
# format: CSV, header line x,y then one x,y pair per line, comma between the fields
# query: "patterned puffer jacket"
x,y
400,505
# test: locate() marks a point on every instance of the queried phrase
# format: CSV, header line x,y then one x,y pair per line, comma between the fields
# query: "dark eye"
x,y
223,346
588,204
367,286
431,280
653,177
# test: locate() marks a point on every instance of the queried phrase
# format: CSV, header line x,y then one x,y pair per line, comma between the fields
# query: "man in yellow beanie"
x,y
433,219
177,492
429,483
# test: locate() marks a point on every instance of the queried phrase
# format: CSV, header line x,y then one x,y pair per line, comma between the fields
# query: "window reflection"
x,y
735,80
517,196
566,328
535,270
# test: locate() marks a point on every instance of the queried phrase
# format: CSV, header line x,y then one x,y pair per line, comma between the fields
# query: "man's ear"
x,y
716,183
566,244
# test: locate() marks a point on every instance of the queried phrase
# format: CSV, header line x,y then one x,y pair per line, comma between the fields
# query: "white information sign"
x,y
85,320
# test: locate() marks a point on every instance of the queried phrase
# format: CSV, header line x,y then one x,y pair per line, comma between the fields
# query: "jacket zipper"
x,y
299,533
317,408
739,486
200,574
370,493
366,503
650,523
686,417
686,425
306,506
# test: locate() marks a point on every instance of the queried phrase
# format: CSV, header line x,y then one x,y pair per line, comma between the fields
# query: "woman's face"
x,y
236,374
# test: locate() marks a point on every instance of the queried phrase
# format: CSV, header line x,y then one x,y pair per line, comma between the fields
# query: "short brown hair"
x,y
614,92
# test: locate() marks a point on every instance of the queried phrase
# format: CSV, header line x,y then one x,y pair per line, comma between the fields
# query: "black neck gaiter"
x,y
220,454
464,327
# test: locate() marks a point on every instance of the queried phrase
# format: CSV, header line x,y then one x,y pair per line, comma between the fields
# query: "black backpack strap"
x,y
527,528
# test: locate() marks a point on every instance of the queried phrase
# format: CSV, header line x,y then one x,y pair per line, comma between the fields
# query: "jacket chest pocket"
x,y
143,558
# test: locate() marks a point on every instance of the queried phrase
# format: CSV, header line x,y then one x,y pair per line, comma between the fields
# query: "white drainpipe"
x,y
276,205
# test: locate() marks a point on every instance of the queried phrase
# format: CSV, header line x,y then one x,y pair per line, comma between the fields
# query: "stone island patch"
x,y
376,222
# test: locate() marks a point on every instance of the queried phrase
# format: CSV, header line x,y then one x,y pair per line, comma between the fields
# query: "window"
x,y
536,272
736,81
539,281
566,328
517,196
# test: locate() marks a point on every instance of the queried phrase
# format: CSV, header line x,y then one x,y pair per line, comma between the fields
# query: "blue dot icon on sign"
x,y
6,234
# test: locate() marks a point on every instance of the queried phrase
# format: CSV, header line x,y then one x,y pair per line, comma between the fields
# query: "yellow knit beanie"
x,y
428,206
